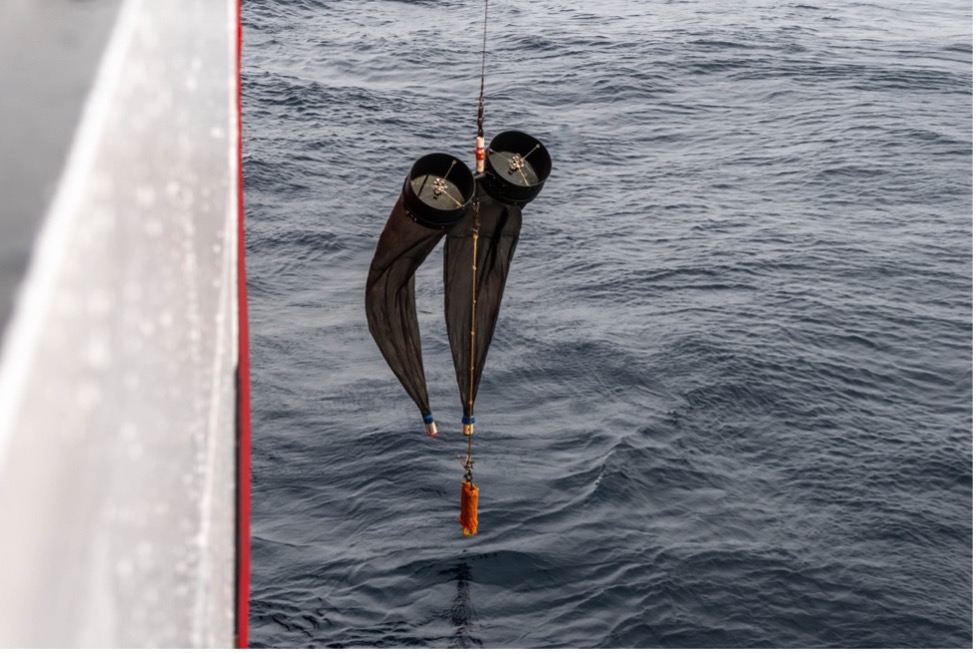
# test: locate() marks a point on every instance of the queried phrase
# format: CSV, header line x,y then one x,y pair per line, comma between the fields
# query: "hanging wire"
x,y
471,357
470,427
480,121
481,92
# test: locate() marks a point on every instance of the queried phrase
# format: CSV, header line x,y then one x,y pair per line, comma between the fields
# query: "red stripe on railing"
x,y
244,385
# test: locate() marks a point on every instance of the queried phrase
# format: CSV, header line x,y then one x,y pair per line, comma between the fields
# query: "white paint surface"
x,y
117,376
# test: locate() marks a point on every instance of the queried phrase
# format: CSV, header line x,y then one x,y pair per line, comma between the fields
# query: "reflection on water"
x,y
463,615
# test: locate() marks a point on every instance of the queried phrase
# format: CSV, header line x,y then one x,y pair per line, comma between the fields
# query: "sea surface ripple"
x,y
729,402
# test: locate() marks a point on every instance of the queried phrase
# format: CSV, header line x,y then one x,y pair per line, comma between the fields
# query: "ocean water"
x,y
729,400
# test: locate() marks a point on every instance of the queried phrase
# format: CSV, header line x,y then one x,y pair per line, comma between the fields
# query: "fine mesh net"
x,y
499,226
390,309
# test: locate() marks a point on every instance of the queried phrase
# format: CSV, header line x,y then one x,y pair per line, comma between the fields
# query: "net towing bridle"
x,y
509,154
440,196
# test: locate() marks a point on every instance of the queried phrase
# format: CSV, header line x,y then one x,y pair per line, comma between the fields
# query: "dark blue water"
x,y
729,402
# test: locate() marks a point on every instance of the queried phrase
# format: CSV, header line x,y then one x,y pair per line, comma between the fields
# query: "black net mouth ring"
x,y
518,166
438,190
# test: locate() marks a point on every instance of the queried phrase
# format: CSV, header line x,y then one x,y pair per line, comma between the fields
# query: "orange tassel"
x,y
469,508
